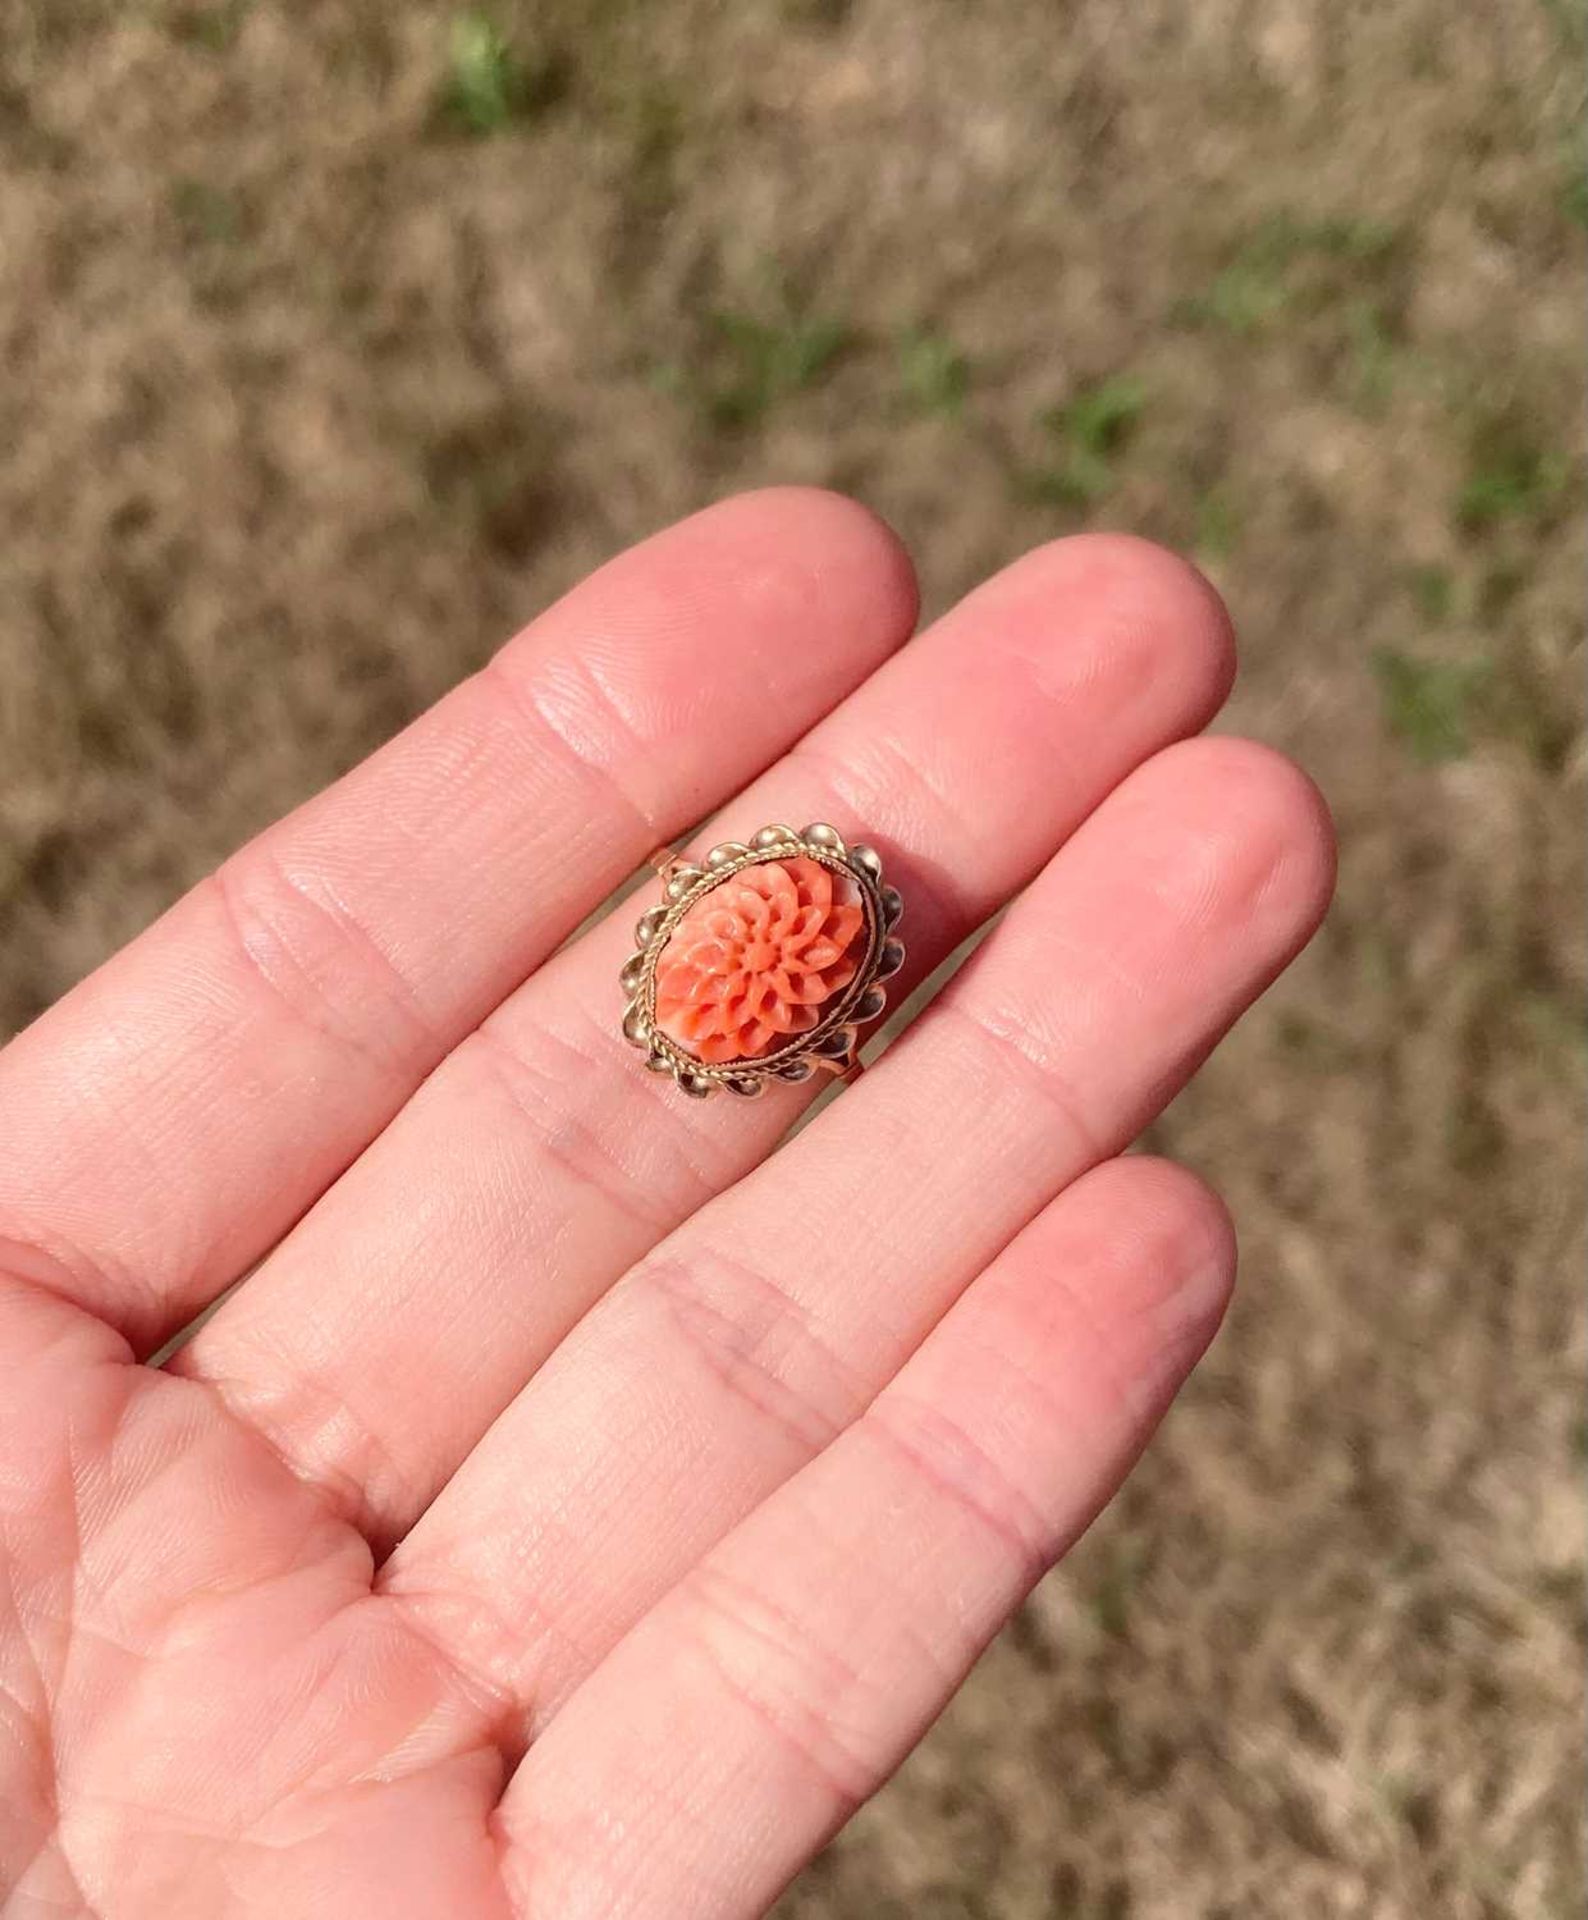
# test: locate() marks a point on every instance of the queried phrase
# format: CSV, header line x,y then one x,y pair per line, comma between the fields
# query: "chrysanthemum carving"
x,y
757,959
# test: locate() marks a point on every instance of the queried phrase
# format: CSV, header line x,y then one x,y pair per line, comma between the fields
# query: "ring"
x,y
762,962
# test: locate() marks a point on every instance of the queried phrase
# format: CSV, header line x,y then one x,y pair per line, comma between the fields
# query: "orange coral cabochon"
x,y
758,958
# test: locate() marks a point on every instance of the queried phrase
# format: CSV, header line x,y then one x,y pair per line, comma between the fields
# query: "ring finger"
x,y
755,1335
380,1341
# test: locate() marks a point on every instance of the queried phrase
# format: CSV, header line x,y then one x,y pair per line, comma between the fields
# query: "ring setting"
x,y
762,961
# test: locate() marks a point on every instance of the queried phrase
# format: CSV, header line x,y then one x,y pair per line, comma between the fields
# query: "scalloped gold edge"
x,y
684,881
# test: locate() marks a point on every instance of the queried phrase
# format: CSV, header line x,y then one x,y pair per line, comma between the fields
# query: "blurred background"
x,y
337,339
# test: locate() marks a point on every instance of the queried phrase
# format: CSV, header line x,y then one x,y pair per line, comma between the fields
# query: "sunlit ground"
x,y
339,338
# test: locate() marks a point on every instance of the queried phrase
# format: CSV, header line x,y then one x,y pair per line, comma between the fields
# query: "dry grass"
x,y
338,338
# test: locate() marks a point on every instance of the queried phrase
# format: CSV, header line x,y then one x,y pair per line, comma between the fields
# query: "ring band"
x,y
762,962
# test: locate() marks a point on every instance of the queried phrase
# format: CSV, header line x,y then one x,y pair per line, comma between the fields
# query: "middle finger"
x,y
383,1337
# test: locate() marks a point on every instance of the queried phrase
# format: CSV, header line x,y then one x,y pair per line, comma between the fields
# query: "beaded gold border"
x,y
830,1044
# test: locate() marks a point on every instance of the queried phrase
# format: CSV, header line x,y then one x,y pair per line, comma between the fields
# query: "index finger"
x,y
170,1118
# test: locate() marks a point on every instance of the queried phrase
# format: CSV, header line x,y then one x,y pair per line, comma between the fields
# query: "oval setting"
x,y
762,961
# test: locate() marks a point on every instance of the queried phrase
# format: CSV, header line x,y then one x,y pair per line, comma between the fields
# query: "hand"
x,y
578,1513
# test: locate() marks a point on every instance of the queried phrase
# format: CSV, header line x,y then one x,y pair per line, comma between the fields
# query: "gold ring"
x,y
762,962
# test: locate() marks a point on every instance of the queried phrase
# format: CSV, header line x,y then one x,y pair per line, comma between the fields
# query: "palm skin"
x,y
578,1513
192,1643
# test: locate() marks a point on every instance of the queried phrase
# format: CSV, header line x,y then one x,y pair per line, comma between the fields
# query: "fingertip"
x,y
827,545
1170,1235
1237,840
808,588
1137,628
1186,1218
1116,1288
1266,796
1167,594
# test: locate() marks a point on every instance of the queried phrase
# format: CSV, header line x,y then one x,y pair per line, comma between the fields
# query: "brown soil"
x,y
333,347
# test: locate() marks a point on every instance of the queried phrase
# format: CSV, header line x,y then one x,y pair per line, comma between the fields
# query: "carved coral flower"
x,y
757,958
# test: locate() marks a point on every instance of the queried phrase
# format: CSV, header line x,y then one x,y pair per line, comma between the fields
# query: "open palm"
x,y
573,1515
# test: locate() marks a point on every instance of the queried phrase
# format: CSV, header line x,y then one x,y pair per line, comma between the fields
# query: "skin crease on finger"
x,y
173,1115
1193,883
815,1641
536,1164
268,1740
207,1711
